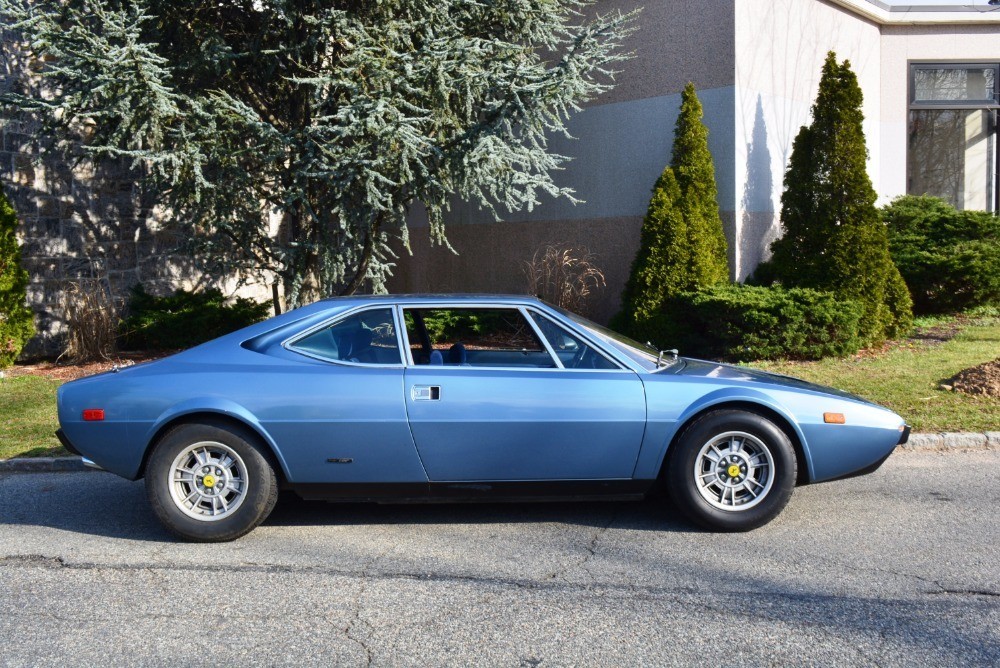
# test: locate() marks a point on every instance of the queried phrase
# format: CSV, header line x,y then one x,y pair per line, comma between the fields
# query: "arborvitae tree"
x,y
833,238
662,266
682,246
16,323
695,173
337,115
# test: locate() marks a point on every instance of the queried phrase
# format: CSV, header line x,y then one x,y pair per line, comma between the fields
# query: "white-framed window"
x,y
952,133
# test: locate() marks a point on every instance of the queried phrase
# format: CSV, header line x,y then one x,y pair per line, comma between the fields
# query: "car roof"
x,y
433,297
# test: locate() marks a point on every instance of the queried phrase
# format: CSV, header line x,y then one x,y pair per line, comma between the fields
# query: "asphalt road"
x,y
899,567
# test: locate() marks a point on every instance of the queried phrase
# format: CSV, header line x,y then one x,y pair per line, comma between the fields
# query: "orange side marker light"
x,y
834,418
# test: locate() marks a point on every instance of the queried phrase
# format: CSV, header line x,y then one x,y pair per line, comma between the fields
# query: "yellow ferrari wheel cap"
x,y
209,480
733,471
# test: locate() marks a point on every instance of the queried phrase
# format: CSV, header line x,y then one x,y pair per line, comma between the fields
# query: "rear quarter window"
x,y
368,337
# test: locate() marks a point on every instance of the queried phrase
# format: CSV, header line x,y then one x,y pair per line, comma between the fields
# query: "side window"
x,y
571,350
474,337
368,337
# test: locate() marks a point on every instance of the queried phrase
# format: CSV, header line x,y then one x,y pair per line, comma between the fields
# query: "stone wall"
x,y
85,223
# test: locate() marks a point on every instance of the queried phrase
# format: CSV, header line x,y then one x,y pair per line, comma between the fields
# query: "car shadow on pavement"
x,y
652,514
95,503
101,504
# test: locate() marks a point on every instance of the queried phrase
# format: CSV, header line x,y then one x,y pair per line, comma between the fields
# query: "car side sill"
x,y
473,491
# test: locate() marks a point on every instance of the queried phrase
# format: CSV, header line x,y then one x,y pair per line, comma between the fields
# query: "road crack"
x,y
591,551
358,607
962,592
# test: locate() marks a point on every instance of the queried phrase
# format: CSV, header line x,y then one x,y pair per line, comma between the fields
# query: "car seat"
x,y
457,354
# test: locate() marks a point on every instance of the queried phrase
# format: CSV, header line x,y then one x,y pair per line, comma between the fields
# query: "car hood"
x,y
732,373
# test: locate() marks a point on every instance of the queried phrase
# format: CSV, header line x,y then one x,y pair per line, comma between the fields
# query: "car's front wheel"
x,y
732,470
210,482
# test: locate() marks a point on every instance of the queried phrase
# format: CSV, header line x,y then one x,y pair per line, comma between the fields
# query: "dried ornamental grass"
x,y
565,275
92,320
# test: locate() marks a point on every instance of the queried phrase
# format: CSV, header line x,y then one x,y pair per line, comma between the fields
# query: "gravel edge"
x,y
940,442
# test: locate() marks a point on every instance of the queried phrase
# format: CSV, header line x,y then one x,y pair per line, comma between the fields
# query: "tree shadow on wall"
x,y
759,224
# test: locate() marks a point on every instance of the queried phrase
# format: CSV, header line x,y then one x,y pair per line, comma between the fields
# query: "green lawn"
x,y
28,418
907,379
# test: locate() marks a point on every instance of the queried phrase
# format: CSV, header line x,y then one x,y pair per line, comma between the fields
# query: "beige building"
x,y
929,77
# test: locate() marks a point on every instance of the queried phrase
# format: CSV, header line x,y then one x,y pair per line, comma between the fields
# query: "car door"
x,y
338,416
488,400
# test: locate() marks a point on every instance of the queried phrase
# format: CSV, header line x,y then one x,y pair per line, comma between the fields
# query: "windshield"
x,y
642,353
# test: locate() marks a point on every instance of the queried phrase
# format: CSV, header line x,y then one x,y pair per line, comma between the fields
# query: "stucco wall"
x,y
781,45
100,226
678,41
902,45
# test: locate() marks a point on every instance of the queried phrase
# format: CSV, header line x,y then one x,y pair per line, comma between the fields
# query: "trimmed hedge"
x,y
743,323
950,259
185,318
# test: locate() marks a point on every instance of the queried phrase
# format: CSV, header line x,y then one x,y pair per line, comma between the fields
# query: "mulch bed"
x,y
62,370
982,380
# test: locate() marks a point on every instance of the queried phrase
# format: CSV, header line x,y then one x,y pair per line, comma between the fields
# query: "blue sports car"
x,y
429,398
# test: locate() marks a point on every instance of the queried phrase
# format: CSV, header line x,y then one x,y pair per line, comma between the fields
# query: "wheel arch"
x,y
782,421
217,416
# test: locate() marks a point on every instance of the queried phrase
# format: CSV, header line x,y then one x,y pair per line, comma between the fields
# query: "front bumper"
x,y
904,436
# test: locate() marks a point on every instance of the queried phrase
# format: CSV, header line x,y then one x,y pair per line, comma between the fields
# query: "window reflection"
x,y
952,83
952,155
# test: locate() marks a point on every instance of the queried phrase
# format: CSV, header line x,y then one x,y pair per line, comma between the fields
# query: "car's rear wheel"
x,y
732,470
210,482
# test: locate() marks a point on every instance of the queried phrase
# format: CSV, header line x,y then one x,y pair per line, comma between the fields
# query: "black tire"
x,y
259,489
762,433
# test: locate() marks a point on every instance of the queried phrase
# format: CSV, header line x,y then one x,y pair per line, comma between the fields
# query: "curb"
x,y
939,442
944,441
43,465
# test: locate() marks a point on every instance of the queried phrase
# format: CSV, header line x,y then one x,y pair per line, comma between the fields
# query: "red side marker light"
x,y
93,414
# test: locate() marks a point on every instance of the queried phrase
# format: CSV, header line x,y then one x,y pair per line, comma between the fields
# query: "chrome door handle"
x,y
426,392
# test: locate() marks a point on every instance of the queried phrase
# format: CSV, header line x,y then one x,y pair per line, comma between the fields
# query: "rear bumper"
x,y
61,435
66,443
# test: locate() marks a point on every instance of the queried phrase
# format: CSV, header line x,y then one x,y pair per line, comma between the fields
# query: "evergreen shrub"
x,y
682,245
833,237
185,318
743,323
16,322
950,259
